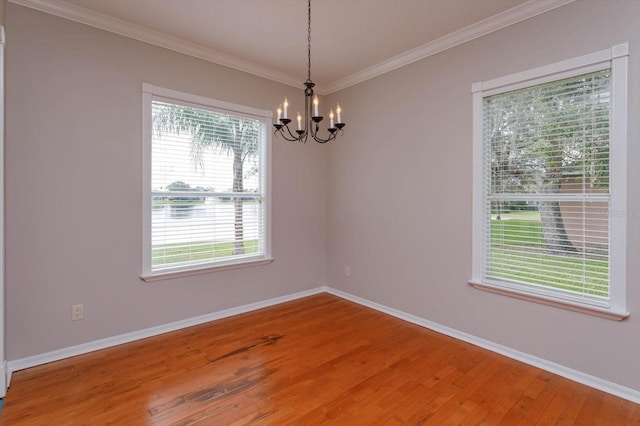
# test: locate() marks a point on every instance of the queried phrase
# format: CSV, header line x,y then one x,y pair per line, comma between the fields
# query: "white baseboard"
x,y
7,369
4,379
561,370
32,361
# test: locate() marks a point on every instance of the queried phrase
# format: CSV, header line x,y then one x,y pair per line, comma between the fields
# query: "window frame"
x,y
615,58
151,93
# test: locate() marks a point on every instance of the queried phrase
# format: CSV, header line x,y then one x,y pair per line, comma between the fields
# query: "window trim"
x,y
615,58
150,93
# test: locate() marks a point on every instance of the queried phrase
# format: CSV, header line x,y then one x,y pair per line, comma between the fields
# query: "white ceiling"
x,y
352,40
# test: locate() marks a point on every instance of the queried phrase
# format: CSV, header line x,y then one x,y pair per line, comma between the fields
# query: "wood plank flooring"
x,y
318,360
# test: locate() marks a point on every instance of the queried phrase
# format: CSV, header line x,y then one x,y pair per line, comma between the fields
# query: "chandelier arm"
x,y
279,130
323,140
284,136
317,138
293,137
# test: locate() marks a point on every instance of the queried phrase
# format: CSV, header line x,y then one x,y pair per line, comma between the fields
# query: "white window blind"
x,y
546,207
207,187
547,180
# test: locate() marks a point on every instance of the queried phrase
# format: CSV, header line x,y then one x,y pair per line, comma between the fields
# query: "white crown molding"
x,y
98,20
127,29
494,23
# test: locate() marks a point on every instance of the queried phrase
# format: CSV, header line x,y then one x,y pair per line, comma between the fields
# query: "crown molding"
x,y
104,22
494,23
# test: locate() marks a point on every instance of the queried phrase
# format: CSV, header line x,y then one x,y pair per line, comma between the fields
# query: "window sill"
x,y
167,275
576,307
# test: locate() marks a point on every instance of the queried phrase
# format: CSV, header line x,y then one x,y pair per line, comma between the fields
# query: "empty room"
x,y
358,212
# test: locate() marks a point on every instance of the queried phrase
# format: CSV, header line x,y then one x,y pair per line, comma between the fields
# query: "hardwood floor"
x,y
312,361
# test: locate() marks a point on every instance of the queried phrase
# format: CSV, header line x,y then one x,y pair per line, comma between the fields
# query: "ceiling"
x,y
352,40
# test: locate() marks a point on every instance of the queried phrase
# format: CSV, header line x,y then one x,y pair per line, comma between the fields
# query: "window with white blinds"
x,y
206,184
546,170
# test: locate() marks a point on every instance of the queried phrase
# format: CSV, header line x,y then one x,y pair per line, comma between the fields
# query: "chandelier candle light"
x,y
311,118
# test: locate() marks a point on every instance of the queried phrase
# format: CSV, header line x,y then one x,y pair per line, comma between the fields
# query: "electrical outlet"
x,y
347,271
77,312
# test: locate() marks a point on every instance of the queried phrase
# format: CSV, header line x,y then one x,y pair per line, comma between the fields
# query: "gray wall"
x,y
400,192
391,198
74,188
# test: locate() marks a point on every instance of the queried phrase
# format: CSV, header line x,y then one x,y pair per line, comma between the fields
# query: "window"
x,y
206,182
550,184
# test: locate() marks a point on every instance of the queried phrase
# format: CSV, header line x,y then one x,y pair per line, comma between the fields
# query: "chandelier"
x,y
310,126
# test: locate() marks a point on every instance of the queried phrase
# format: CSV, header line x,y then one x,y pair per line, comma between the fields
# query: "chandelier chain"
x,y
309,44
